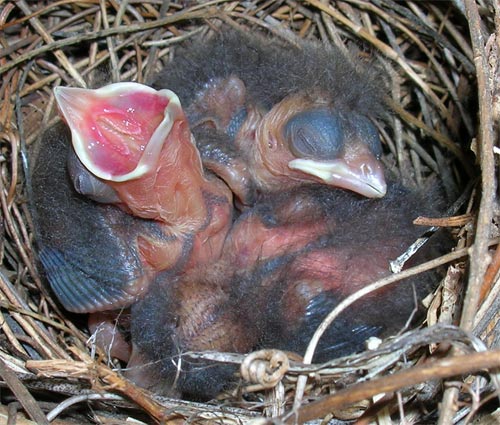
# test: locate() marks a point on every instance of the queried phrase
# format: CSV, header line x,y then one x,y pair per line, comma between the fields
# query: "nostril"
x,y
366,170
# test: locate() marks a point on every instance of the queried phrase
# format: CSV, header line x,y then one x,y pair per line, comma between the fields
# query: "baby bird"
x,y
131,148
268,116
88,250
136,141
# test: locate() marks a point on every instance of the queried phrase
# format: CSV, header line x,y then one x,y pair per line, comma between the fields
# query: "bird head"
x,y
136,140
309,138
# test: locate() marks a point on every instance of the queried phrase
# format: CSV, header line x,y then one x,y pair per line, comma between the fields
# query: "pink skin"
x,y
251,240
343,270
104,326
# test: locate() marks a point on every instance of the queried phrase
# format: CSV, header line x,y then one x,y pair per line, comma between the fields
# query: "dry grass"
x,y
445,93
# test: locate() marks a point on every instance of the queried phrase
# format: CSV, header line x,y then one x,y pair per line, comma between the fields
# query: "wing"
x,y
89,251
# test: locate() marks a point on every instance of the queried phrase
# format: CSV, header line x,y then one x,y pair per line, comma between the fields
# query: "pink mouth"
x,y
119,130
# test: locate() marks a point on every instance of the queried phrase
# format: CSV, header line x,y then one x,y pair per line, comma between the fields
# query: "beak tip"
x,y
380,192
60,92
66,100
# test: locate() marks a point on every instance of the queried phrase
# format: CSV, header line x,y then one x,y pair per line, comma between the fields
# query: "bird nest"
x,y
441,63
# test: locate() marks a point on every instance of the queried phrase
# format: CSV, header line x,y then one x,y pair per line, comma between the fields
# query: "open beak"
x,y
119,130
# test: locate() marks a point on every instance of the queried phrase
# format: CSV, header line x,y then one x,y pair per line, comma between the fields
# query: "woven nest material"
x,y
442,60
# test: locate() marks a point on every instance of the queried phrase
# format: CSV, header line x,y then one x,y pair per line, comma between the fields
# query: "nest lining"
x,y
441,104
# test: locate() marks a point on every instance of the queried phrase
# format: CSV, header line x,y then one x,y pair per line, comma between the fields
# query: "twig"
x,y
490,275
383,47
445,368
78,399
455,221
438,137
22,394
479,253
128,29
61,57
